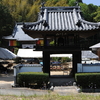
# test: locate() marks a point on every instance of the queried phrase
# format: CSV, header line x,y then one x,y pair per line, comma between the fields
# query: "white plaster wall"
x,y
30,69
88,67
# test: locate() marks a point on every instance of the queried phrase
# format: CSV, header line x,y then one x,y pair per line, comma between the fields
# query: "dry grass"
x,y
52,97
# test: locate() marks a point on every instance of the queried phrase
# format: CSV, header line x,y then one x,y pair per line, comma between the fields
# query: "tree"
x,y
6,22
88,11
33,13
97,15
23,10
51,3
92,9
62,3
72,2
27,10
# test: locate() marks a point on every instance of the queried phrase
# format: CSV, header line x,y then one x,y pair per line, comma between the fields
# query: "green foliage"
x,y
88,11
61,3
6,21
80,1
72,3
62,59
18,9
32,78
51,43
65,59
33,12
97,15
49,3
52,96
15,50
87,79
27,10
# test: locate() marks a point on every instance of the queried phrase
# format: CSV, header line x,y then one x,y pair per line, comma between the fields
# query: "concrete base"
x,y
62,81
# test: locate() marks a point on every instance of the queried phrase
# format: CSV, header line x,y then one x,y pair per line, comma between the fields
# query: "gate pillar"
x,y
76,60
46,62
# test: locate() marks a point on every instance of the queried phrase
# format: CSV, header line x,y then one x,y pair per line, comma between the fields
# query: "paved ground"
x,y
63,88
6,81
22,91
6,88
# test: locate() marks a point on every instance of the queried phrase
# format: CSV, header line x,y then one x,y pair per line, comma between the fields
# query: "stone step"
x,y
65,89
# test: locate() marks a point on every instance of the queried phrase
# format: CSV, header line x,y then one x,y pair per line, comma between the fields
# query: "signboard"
x,y
30,46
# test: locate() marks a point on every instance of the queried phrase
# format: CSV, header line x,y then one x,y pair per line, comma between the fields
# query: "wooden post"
x,y
46,62
45,41
55,41
76,60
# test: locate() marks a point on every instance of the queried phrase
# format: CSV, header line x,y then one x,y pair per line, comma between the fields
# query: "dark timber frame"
x,y
67,29
63,48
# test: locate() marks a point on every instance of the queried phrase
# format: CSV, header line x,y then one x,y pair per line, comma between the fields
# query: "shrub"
x,y
26,78
88,80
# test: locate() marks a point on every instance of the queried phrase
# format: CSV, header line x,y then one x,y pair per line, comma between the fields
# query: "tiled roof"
x,y
61,19
95,46
19,35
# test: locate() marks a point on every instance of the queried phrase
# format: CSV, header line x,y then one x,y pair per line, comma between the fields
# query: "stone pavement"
x,y
28,91
6,88
22,91
65,90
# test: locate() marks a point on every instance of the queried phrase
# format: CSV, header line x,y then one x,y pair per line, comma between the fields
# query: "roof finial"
x,y
77,4
42,4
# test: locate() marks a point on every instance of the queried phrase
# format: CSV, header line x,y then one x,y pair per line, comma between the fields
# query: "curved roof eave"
x,y
90,23
83,26
63,19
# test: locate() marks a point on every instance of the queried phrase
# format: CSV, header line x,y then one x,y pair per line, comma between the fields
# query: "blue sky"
x,y
95,2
